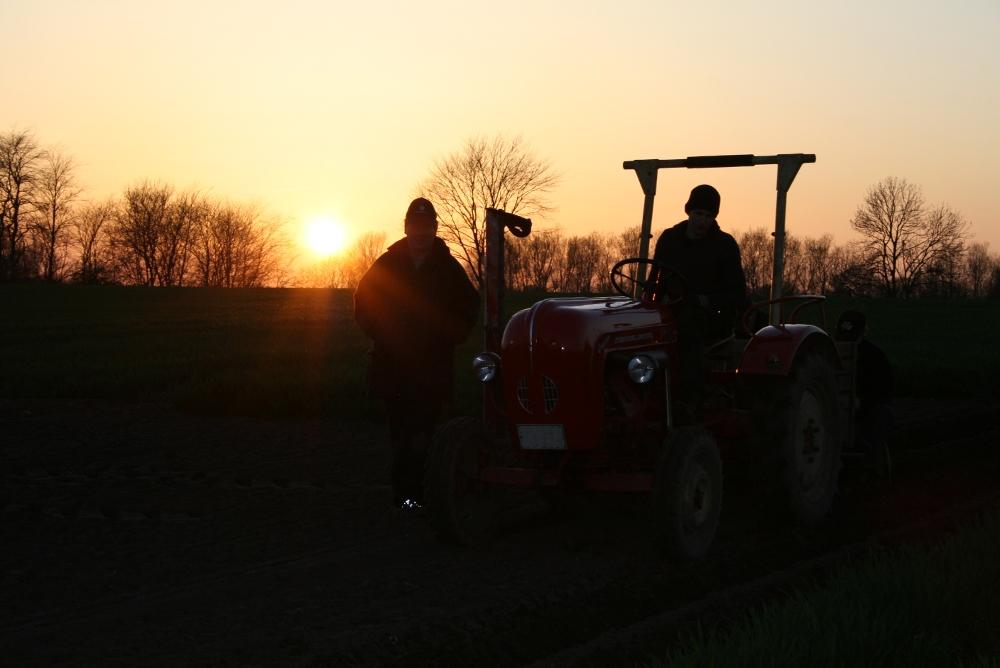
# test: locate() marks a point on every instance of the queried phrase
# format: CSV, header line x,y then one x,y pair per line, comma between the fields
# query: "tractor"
x,y
580,393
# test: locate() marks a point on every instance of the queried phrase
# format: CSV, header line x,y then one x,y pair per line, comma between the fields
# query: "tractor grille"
x,y
550,394
522,394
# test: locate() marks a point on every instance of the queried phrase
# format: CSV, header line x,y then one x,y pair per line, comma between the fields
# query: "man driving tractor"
x,y
714,289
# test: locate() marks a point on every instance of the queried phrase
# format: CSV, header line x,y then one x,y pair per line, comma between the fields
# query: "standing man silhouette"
x,y
874,386
416,304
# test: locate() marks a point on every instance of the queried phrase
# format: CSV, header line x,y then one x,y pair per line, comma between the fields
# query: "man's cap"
x,y
421,209
851,325
703,197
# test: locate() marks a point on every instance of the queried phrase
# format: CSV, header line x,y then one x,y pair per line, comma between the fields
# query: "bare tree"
x,y
851,272
267,257
137,237
542,258
889,219
55,192
90,239
583,257
184,215
499,173
360,257
514,275
937,248
757,252
818,264
796,270
19,162
626,243
993,286
902,241
978,267
603,261
810,264
345,270
234,246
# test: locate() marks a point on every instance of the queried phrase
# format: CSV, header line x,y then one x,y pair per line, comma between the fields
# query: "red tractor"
x,y
580,393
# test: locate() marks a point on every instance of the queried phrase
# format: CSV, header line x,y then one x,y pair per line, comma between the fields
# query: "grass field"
x,y
905,607
287,352
256,352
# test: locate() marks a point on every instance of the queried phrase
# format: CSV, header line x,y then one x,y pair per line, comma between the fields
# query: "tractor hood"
x,y
574,325
552,362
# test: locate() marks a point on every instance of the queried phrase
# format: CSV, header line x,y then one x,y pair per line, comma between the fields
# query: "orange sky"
x,y
327,108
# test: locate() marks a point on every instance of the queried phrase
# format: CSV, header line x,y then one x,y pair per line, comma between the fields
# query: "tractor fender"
x,y
773,349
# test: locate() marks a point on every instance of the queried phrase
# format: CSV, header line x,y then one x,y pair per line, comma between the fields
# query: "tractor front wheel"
x,y
687,493
461,507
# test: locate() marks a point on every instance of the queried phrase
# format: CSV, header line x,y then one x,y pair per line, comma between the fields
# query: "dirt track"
x,y
134,534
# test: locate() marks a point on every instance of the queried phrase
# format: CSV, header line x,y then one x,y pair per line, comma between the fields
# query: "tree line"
x,y
553,262
151,235
906,247
154,235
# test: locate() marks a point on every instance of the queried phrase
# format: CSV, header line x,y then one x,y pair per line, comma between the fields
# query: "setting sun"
x,y
326,236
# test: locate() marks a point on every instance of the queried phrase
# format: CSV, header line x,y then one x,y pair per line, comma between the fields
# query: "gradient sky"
x,y
331,108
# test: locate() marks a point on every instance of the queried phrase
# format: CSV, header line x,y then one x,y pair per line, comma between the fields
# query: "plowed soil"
x,y
137,535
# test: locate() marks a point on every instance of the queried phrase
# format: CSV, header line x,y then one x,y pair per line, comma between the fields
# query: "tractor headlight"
x,y
641,369
485,366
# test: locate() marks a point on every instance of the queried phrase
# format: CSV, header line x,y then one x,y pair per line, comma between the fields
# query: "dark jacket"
x,y
710,266
875,380
415,317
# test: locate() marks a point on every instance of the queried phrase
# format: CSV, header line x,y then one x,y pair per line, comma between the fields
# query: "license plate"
x,y
541,436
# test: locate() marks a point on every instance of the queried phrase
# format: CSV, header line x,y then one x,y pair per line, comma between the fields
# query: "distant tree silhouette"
x,y
55,192
89,238
514,270
818,264
139,231
185,215
938,250
902,240
756,251
993,287
889,218
625,244
345,270
20,158
978,267
585,263
500,173
849,274
540,257
235,246
360,257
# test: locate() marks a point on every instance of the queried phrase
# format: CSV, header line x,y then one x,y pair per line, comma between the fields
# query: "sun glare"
x,y
326,236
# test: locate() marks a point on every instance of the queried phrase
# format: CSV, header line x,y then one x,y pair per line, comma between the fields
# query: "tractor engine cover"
x,y
554,361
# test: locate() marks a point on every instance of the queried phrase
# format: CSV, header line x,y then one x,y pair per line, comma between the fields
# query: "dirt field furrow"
x,y
137,534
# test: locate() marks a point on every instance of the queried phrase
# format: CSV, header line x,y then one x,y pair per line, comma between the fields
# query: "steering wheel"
x,y
674,283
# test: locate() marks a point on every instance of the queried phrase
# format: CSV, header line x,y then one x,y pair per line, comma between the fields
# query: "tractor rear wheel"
x,y
461,507
806,428
687,493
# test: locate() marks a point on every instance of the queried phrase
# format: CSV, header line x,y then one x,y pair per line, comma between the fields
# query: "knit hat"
x,y
703,197
421,209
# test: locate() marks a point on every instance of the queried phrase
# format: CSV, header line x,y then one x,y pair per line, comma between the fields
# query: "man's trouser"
x,y
411,426
875,423
874,428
